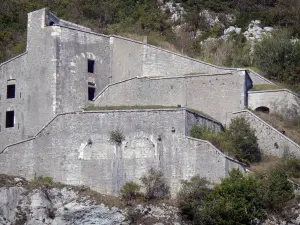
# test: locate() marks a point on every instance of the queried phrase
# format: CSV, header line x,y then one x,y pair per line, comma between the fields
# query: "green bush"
x,y
191,196
234,201
130,191
243,140
238,140
275,190
155,185
291,166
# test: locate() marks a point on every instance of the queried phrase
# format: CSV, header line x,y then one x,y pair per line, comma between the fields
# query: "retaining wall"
x,y
278,101
270,140
257,78
75,148
215,95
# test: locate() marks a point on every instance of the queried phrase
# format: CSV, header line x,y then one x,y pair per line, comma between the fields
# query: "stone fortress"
x,y
46,131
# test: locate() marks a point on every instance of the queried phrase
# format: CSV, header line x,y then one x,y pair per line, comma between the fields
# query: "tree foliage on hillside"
x,y
105,16
279,58
239,199
146,17
238,139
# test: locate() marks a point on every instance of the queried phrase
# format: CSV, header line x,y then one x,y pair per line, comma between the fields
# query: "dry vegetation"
x,y
291,129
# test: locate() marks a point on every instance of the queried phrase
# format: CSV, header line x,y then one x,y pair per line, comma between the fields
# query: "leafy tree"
x,y
279,57
234,201
243,140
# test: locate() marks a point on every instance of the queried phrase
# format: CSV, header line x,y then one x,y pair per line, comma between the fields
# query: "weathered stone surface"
x,y
104,166
270,140
282,101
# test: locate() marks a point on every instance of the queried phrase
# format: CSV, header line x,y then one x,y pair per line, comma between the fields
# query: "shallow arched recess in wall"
x,y
139,155
263,109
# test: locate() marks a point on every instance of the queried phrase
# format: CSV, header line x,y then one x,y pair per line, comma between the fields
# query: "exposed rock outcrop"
x,y
20,204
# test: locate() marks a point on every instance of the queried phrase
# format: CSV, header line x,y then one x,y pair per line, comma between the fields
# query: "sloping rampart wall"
x,y
215,95
270,140
75,148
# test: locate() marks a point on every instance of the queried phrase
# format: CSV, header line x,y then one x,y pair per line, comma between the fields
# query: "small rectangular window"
x,y
11,91
10,117
91,93
91,65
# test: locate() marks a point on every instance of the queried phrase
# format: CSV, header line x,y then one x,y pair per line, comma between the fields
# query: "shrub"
x,y
116,137
130,191
291,166
234,201
133,215
191,196
243,140
279,57
275,190
239,140
155,184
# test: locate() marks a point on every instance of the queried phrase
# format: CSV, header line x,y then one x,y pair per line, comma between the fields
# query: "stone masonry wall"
x,y
74,49
257,78
215,95
278,101
132,58
270,140
13,71
75,149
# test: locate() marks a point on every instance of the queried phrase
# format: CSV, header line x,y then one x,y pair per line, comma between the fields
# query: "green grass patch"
x,y
254,68
127,107
203,114
262,87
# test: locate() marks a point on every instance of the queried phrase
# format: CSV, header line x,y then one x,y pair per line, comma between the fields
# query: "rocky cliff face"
x,y
40,203
24,203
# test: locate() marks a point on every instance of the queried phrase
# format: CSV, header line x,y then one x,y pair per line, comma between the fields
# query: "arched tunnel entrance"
x,y
262,109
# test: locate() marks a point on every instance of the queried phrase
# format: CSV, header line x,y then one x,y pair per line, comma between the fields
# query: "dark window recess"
x,y
91,93
91,65
11,90
10,116
51,23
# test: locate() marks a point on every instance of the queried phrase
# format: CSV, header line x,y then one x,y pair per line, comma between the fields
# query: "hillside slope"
x,y
184,26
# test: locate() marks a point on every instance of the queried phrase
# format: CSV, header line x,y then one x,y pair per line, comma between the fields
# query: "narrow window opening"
x,y
10,117
91,65
91,93
11,90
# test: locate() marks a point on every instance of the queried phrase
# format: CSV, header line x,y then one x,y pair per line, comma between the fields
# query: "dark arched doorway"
x,y
262,109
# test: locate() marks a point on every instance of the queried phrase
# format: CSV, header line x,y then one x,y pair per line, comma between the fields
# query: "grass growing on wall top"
x,y
262,87
127,107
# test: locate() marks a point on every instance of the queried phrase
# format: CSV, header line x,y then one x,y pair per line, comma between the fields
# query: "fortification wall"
x,y
132,58
278,101
75,149
127,59
74,49
160,62
270,140
12,72
215,95
257,78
